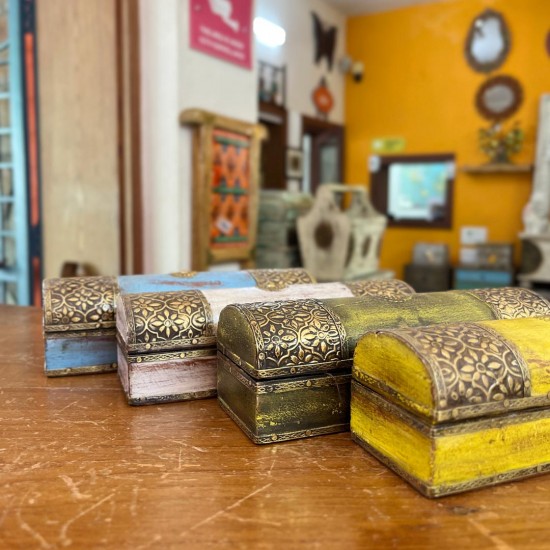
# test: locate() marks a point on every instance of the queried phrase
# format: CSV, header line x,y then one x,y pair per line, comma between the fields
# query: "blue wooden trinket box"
x,y
79,312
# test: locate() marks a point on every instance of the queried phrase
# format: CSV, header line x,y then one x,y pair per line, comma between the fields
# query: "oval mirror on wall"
x,y
499,97
488,42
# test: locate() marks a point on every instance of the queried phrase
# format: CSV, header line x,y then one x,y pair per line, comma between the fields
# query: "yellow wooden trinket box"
x,y
455,407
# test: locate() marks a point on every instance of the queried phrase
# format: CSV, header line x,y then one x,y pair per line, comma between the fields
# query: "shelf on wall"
x,y
502,168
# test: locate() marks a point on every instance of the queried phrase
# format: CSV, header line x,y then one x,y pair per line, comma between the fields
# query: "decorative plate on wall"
x,y
499,97
322,98
488,42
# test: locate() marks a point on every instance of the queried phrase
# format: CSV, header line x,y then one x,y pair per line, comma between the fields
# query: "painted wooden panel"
x,y
79,355
130,284
169,381
78,133
269,411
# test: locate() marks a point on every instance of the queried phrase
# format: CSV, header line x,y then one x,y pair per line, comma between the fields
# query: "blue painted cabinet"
x,y
20,250
467,278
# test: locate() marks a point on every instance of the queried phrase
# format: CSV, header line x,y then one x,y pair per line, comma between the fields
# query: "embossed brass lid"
x,y
460,371
165,321
79,303
277,339
277,279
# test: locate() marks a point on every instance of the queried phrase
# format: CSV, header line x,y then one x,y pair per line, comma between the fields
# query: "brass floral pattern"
x,y
511,303
470,364
79,303
392,290
184,274
277,279
158,318
289,334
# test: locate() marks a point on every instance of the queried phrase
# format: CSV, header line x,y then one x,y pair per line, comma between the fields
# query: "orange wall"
x,y
418,85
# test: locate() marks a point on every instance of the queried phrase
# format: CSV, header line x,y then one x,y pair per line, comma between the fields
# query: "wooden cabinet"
x,y
428,278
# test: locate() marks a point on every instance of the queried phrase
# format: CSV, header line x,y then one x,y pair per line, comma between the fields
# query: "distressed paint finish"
x,y
306,338
167,381
272,411
167,340
69,354
108,288
198,280
456,407
81,469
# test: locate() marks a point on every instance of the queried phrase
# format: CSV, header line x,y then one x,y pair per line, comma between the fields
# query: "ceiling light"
x,y
268,33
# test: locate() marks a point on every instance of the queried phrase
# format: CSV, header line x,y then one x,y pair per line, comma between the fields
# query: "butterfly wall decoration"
x,y
325,40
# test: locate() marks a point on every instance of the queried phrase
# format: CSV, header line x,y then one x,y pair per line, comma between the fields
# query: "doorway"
x,y
272,164
323,146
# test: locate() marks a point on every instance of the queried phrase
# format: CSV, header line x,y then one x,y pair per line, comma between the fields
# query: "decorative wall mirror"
x,y
488,42
499,97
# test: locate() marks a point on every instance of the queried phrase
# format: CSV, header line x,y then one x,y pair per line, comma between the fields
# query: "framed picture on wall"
x,y
414,190
225,188
294,163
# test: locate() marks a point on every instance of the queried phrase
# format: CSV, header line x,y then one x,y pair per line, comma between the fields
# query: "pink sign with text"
x,y
223,29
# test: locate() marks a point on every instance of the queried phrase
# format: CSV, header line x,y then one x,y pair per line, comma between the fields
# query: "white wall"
x,y
174,78
165,247
303,74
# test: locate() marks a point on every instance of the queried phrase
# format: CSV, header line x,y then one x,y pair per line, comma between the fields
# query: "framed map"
x,y
418,191
414,190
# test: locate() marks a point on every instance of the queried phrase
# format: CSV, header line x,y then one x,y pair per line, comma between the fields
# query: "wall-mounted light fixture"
x,y
268,33
348,66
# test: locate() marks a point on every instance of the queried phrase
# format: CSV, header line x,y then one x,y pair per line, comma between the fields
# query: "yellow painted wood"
x,y
382,357
454,454
460,458
533,342
447,460
399,441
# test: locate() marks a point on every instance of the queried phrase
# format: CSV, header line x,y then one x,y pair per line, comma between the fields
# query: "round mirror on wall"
x,y
499,97
488,42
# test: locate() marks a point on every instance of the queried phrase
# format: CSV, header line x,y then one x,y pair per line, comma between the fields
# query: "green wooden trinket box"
x,y
284,368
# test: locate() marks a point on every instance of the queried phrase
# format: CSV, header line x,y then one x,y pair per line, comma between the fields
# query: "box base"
x,y
271,411
432,491
451,457
68,354
280,437
167,381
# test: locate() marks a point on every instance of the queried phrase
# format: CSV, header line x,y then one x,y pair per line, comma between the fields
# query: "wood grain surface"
x,y
79,468
79,149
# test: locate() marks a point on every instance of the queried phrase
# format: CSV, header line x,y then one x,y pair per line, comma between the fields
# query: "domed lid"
x,y
79,303
277,339
458,371
165,321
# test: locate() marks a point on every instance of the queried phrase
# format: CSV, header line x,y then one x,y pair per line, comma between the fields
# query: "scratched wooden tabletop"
x,y
80,468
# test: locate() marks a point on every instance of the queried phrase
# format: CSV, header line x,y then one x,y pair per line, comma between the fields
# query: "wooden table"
x,y
80,468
